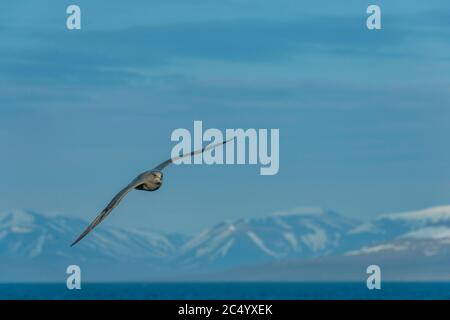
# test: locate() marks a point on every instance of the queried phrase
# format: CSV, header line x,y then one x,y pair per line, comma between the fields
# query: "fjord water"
x,y
236,290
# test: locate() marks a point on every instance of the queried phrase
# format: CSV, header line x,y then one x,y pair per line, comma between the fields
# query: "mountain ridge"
x,y
34,246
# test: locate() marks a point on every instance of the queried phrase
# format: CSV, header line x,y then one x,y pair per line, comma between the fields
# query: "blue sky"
x,y
363,115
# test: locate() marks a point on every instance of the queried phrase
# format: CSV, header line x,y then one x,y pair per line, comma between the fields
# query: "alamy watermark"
x,y
73,20
249,146
74,279
374,279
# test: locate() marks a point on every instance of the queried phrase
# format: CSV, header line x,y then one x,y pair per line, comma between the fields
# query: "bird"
x,y
150,180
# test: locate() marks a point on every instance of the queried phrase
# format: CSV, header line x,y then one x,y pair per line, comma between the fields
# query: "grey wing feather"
x,y
114,202
171,160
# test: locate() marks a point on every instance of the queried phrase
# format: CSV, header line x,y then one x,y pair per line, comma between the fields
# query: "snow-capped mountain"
x,y
32,240
407,246
300,235
313,242
426,231
295,234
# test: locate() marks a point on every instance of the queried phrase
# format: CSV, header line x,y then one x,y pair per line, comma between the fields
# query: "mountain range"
x,y
298,244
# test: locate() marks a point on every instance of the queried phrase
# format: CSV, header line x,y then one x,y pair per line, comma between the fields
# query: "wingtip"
x,y
78,240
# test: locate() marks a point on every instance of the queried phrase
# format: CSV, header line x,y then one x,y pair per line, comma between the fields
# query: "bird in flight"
x,y
147,181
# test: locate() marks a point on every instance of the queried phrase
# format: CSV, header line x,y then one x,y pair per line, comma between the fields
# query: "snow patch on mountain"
x,y
292,239
433,215
15,219
378,248
429,233
364,228
316,240
260,243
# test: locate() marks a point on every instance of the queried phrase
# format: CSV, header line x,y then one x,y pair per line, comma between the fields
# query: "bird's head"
x,y
157,177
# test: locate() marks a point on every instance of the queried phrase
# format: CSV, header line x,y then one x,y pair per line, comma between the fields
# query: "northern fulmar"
x,y
147,181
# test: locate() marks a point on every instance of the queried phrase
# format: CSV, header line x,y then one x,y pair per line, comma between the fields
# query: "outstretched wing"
x,y
171,160
114,202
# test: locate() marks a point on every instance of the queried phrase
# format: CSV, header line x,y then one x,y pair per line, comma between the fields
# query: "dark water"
x,y
194,291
